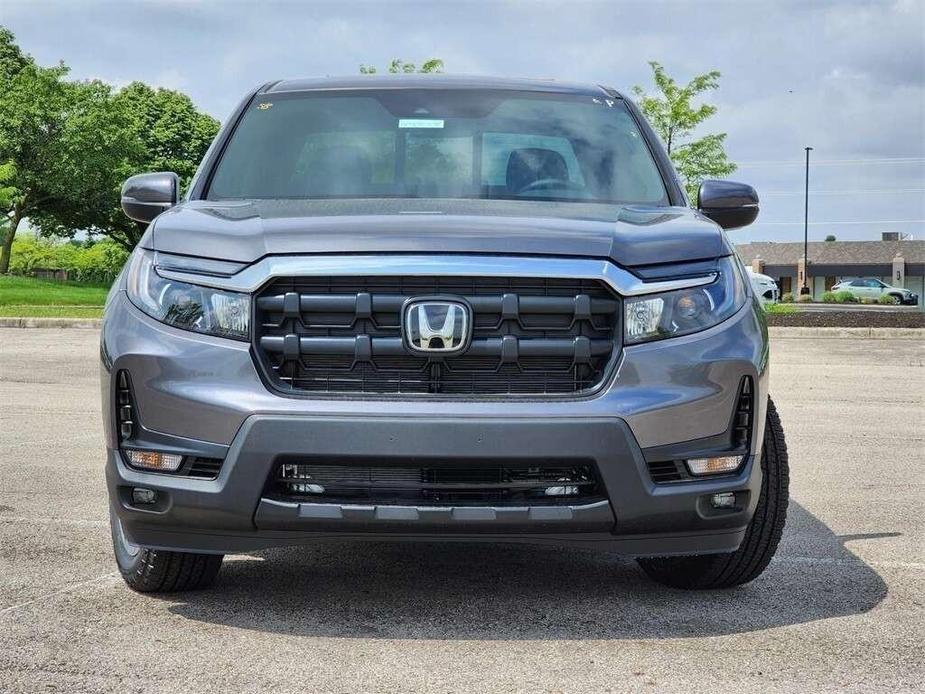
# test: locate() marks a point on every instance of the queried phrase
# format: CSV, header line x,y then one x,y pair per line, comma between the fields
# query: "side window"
x,y
858,283
874,284
497,149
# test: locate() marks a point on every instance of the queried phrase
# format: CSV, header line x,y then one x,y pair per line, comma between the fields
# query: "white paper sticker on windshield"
x,y
420,123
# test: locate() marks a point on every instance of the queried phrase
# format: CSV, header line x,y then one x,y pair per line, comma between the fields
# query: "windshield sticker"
x,y
264,106
420,123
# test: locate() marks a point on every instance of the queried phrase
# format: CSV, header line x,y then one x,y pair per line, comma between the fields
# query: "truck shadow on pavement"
x,y
483,591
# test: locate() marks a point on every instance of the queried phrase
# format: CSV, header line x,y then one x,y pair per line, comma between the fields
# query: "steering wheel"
x,y
550,184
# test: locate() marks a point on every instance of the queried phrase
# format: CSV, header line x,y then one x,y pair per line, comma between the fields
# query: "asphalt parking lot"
x,y
842,607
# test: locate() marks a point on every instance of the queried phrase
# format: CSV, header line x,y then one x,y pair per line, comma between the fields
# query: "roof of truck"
x,y
439,81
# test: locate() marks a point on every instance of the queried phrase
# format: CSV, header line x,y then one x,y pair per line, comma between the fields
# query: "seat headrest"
x,y
531,164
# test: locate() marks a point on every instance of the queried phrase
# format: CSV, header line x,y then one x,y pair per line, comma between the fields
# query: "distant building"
x,y
894,236
900,263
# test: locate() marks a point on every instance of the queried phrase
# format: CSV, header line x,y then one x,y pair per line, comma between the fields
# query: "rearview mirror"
x,y
729,204
145,196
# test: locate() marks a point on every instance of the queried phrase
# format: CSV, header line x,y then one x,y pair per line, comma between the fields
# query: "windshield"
x,y
430,143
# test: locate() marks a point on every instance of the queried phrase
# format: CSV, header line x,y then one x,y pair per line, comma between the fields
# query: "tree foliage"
x,y
169,134
675,118
399,66
60,145
66,147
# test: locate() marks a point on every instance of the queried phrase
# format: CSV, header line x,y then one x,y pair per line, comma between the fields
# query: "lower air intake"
x,y
435,483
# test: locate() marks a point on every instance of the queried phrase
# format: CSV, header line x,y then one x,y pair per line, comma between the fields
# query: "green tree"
x,y
830,237
169,134
675,118
398,66
60,145
12,59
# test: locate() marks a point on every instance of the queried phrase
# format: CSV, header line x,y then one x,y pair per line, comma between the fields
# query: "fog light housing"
x,y
154,460
714,466
726,500
143,496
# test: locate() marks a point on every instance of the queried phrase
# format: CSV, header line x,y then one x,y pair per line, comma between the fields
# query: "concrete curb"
x,y
776,331
829,333
84,323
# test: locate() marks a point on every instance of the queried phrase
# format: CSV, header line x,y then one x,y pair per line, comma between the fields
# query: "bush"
x,y
787,298
845,297
885,299
805,299
782,309
828,297
94,262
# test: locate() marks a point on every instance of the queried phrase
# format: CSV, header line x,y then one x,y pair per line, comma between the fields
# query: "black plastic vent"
x,y
435,483
744,415
343,335
125,407
668,471
203,468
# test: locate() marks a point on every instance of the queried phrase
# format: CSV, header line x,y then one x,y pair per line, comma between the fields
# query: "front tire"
x,y
710,571
160,571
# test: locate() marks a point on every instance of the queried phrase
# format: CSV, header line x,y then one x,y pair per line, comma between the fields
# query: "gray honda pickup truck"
x,y
427,308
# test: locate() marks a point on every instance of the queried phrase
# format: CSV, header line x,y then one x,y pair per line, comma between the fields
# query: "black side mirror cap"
x,y
729,204
145,196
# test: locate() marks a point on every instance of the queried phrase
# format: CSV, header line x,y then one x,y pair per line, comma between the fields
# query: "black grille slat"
x,y
429,483
531,336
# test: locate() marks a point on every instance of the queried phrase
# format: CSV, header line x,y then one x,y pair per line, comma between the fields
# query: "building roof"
x,y
833,252
438,81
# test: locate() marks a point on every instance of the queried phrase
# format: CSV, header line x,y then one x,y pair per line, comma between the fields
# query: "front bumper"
x,y
203,395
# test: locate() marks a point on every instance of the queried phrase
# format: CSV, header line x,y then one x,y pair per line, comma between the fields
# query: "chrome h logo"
x,y
437,326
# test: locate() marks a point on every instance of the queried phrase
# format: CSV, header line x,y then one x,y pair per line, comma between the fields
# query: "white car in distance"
x,y
765,288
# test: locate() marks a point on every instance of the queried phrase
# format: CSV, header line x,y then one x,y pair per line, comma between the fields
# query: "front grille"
x,y
343,335
429,483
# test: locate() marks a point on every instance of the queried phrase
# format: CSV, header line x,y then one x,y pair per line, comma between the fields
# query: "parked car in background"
x,y
872,288
764,287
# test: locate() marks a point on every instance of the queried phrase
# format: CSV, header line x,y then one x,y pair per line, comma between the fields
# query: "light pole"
x,y
805,288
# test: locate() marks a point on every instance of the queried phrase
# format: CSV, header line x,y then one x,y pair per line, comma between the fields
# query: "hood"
x,y
245,231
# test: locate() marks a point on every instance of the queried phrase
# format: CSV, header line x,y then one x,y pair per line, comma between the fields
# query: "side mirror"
x,y
729,204
145,196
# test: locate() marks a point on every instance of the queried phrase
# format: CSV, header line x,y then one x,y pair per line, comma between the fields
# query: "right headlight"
x,y
184,305
670,314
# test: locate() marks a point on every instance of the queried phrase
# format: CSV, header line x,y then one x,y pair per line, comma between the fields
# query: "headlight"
x,y
186,306
669,314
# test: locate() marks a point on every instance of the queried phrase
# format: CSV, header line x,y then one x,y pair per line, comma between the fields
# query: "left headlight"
x,y
186,306
671,314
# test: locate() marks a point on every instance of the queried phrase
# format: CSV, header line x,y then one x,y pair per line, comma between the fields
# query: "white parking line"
x,y
918,566
66,589
79,522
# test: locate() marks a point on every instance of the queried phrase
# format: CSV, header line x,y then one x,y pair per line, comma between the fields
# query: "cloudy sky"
x,y
847,78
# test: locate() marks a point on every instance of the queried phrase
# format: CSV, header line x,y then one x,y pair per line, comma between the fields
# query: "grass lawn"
x,y
30,297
